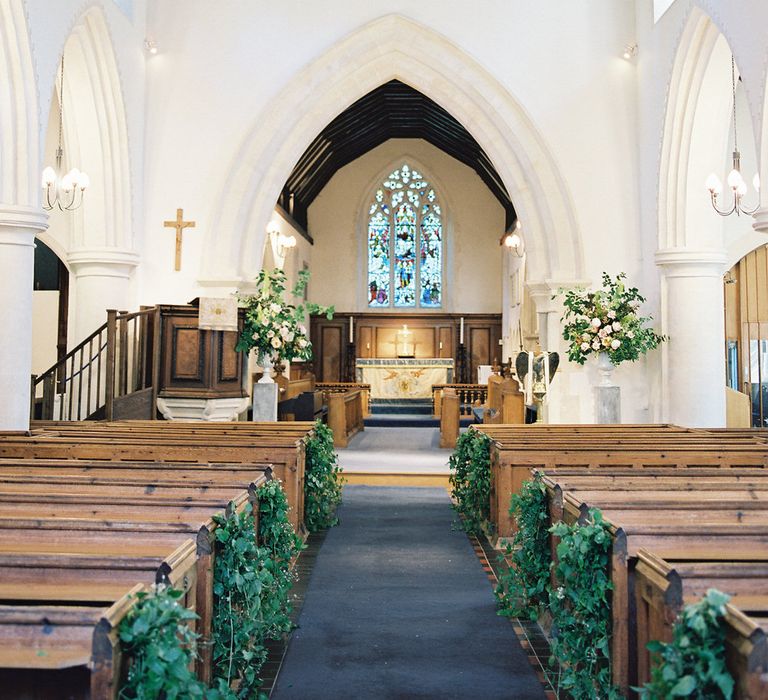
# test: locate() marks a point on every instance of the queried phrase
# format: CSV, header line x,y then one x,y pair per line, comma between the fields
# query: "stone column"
x,y
18,227
693,360
101,281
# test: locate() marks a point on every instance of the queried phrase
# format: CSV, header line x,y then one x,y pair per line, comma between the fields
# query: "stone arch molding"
x,y
19,150
94,107
691,62
356,65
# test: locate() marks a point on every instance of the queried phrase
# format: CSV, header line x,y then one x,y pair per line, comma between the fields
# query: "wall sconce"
x,y
630,51
512,240
281,243
150,46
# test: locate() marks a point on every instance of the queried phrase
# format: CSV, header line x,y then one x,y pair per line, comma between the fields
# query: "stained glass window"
x,y
405,243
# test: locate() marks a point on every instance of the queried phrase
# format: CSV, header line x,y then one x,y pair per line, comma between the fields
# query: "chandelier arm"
x,y
720,211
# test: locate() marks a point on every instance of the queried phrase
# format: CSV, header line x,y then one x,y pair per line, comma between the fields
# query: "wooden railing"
x,y
329,388
345,415
469,395
118,359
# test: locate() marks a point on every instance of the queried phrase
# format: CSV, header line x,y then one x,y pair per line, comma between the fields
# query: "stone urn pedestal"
x,y
607,394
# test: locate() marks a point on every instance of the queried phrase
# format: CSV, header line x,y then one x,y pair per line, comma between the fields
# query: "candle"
x,y
461,331
529,379
351,330
546,371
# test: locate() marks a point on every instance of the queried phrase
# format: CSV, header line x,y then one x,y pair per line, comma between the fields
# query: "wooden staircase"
x,y
113,374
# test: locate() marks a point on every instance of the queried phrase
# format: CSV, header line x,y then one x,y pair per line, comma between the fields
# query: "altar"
x,y
404,378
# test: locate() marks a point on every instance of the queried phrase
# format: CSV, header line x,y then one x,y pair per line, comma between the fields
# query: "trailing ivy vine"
x,y
470,480
251,584
323,480
523,589
161,646
692,665
580,608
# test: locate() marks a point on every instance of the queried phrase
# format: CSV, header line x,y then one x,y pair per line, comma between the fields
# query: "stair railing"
x,y
117,359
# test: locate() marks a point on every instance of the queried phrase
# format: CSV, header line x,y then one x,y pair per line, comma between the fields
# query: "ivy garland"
x,y
470,480
157,638
251,585
580,607
692,665
523,589
323,480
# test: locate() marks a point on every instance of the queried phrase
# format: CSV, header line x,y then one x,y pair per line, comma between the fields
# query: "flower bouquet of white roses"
x,y
607,320
274,327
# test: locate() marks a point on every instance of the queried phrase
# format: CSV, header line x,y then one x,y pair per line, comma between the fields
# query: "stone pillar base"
x,y
216,410
607,404
265,402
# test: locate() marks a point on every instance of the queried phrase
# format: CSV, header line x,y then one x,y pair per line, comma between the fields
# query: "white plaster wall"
x,y
220,66
473,222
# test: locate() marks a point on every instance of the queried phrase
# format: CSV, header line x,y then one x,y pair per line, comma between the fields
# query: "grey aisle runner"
x,y
399,606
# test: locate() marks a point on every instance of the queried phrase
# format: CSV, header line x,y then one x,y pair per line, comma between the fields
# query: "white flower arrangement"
x,y
607,320
272,325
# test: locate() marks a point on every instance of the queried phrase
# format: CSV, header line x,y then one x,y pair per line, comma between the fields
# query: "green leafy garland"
x,y
692,665
323,480
607,320
523,589
274,326
470,480
251,584
580,608
161,646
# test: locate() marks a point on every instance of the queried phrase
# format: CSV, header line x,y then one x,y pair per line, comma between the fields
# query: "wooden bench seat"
x,y
685,533
48,637
662,587
286,455
510,466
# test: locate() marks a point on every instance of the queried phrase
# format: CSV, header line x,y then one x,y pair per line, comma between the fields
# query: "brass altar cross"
x,y
179,225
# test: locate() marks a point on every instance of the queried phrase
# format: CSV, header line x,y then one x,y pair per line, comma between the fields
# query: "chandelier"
x,y
735,180
64,192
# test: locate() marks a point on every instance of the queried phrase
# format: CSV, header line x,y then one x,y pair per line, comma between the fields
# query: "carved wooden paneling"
x,y
197,363
445,336
187,354
332,357
365,344
479,350
375,336
229,360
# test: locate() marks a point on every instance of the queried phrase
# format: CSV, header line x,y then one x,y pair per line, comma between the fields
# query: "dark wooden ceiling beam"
x,y
393,110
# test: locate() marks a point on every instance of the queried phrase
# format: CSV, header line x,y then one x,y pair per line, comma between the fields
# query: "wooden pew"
x,y
102,555
55,637
662,588
346,415
681,529
515,451
285,454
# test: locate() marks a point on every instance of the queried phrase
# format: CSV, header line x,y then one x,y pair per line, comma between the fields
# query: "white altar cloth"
x,y
404,378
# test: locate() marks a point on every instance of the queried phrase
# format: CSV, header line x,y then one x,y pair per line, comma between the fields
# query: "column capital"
x,y
691,262
545,292
761,220
20,224
102,262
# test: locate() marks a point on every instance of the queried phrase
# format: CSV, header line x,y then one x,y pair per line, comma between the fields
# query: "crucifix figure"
x,y
179,225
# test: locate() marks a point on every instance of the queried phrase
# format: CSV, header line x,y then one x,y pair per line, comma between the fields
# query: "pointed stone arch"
x,y
356,65
19,114
96,134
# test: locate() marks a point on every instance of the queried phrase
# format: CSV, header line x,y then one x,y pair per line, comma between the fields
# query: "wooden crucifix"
x,y
179,225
